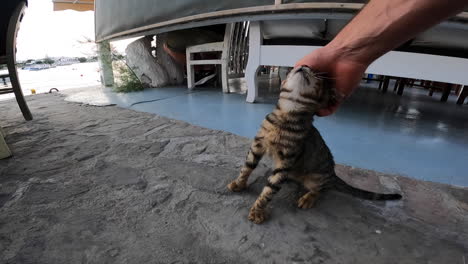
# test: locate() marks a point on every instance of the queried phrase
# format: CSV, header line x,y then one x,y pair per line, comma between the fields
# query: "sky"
x,y
44,32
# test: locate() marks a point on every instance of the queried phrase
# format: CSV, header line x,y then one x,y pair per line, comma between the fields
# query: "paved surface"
x,y
110,185
414,135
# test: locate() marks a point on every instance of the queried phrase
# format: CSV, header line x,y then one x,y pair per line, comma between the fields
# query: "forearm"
x,y
383,25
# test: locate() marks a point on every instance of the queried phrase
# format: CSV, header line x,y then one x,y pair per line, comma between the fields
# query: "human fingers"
x,y
329,110
313,60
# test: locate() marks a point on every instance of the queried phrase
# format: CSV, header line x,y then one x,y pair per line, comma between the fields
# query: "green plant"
x,y
118,56
126,80
48,61
82,59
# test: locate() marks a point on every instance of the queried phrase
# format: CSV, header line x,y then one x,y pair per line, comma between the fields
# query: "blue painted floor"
x,y
414,135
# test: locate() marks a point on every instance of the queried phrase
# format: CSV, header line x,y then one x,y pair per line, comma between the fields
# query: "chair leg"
x,y
251,81
190,77
401,86
446,92
253,64
458,88
386,82
190,72
397,82
463,94
17,90
380,79
224,77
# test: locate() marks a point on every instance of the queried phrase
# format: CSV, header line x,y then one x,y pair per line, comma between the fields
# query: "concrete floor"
x,y
414,135
110,185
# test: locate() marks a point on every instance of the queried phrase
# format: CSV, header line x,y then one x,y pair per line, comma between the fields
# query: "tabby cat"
x,y
298,150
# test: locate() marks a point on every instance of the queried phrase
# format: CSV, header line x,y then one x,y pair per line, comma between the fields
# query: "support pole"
x,y
105,63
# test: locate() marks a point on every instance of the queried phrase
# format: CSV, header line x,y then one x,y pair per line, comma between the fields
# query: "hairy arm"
x,y
381,26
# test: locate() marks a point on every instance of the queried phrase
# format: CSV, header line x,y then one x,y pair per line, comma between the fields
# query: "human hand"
x,y
344,72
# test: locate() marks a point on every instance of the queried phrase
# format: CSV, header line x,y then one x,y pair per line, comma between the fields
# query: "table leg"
x,y
446,92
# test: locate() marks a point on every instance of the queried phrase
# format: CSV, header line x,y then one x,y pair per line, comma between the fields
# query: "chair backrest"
x,y
236,40
13,28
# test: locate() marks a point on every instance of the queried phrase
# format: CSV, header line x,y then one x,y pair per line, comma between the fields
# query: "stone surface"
x,y
154,72
93,184
4,150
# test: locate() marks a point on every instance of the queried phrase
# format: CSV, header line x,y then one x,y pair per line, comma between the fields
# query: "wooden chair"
x,y
233,54
8,57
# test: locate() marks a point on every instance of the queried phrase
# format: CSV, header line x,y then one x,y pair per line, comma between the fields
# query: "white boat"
x,y
37,67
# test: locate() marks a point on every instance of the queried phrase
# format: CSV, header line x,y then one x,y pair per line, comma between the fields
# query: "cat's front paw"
x,y
236,187
256,215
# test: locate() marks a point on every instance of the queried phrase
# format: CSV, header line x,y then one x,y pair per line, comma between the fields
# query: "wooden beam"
x,y
211,47
76,7
205,62
74,1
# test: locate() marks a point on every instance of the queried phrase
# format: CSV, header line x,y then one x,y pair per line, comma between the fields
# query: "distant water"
x,y
60,77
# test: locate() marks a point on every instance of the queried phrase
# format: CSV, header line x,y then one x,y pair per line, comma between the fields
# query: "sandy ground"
x,y
94,184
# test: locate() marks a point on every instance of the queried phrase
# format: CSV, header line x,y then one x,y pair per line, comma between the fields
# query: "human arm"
x,y
381,26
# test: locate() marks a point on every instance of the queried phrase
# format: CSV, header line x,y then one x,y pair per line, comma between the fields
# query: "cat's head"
x,y
304,90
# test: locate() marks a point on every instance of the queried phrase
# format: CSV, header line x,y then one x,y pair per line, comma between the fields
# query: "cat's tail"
x,y
343,186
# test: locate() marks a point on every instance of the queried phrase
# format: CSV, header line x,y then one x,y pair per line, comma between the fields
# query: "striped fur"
x,y
296,147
